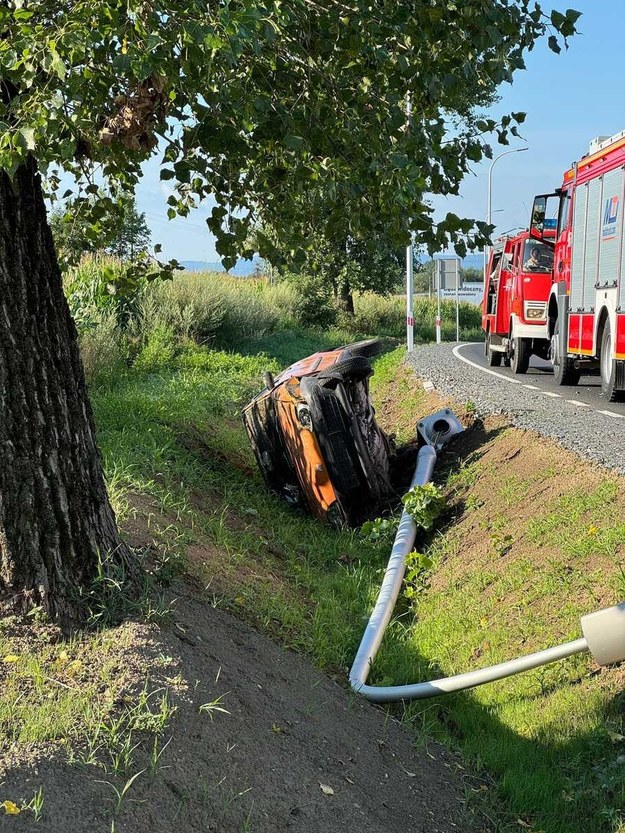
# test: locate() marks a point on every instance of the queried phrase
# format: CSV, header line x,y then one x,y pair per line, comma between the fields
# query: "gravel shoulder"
x,y
594,436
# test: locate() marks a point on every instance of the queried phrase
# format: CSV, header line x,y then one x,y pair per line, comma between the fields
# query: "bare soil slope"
x,y
289,749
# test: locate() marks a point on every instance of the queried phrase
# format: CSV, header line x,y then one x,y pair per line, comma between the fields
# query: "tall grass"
x,y
212,308
386,316
123,319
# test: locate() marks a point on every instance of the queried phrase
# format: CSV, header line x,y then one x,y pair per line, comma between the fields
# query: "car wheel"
x,y
358,367
369,348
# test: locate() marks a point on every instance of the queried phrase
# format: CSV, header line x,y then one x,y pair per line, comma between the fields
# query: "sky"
x,y
569,99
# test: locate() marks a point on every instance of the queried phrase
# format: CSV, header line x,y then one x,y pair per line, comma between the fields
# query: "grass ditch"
x,y
526,551
528,542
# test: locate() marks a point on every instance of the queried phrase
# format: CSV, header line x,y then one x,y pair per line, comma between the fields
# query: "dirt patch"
x,y
260,741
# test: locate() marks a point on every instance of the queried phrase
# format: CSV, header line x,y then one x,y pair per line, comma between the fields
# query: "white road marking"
x,y
456,352
612,414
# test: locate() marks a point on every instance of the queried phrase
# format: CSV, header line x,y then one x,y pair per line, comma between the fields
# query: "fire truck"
x,y
586,308
516,294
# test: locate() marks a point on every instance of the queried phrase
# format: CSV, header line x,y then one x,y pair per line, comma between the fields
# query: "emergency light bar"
x,y
601,142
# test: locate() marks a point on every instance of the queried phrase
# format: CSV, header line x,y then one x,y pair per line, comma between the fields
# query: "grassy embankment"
x,y
530,541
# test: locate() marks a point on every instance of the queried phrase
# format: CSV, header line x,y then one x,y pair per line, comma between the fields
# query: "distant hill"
x,y
246,267
243,267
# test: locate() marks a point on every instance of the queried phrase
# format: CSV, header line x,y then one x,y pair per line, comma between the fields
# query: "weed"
x,y
417,567
120,794
424,504
120,750
380,530
246,827
473,502
501,544
464,477
156,754
514,490
35,805
211,708
112,594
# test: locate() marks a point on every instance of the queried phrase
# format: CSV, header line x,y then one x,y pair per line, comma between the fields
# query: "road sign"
x,y
447,278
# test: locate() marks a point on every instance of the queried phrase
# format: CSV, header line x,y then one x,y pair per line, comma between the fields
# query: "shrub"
x,y
378,315
186,306
249,312
101,283
212,308
158,352
386,316
314,303
102,348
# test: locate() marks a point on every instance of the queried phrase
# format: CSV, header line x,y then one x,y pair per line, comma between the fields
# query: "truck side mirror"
x,y
539,210
538,223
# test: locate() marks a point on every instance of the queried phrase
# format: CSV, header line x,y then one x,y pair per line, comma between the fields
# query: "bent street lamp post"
x,y
489,212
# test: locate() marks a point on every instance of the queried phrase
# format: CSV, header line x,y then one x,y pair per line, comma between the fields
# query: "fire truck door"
x,y
506,285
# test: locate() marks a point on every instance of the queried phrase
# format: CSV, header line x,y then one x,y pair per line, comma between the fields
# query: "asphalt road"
x,y
578,418
539,377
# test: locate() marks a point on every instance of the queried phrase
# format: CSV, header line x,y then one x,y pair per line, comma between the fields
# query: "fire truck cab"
x,y
516,293
586,310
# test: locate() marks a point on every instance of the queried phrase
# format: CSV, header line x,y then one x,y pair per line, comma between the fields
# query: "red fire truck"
x,y
516,293
586,311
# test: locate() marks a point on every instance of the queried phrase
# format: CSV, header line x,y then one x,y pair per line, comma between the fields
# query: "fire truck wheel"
x,y
520,358
493,357
608,368
564,371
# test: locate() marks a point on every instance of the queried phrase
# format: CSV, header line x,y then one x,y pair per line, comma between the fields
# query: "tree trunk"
x,y
55,516
345,297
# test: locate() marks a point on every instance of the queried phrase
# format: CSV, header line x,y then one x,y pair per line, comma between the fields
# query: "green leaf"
x,y
293,142
553,44
28,135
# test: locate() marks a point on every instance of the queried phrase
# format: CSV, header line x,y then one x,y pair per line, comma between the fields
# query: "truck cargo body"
x,y
587,303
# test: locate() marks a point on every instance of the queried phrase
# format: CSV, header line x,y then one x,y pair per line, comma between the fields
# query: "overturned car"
x,y
316,439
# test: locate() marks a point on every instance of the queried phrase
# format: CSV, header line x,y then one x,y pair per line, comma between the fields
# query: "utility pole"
x,y
489,211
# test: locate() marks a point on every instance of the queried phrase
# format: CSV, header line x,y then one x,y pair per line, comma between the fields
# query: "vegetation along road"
x,y
577,417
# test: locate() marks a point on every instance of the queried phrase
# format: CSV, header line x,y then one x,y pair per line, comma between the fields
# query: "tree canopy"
x,y
253,103
123,232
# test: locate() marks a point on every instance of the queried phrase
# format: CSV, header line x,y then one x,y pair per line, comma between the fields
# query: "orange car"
x,y
315,437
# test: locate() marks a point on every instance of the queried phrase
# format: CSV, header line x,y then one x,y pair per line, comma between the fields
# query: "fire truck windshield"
x,y
537,257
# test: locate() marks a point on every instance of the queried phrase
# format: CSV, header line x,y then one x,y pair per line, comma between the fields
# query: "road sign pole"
x,y
457,301
438,301
409,297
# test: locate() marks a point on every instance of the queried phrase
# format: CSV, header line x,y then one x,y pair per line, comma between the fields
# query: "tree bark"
x,y
55,516
345,297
